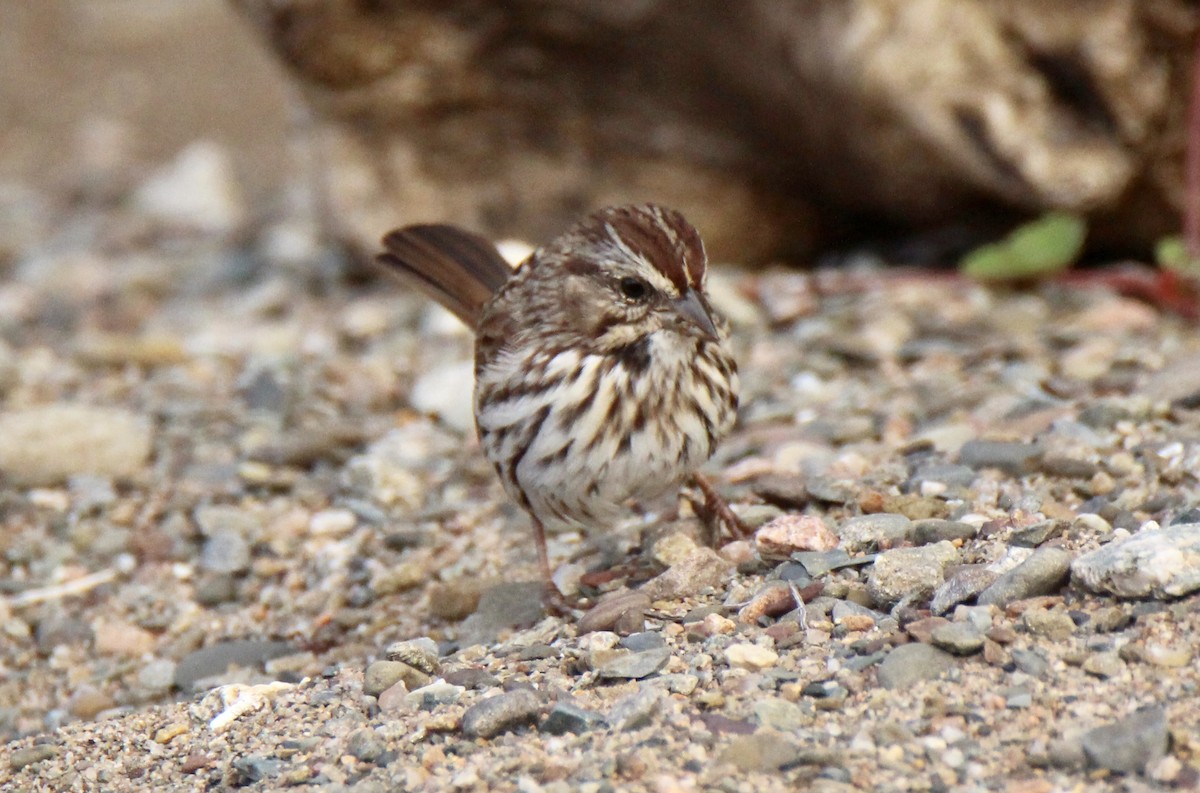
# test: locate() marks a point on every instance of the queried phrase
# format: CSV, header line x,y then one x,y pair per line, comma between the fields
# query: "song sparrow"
x,y
602,374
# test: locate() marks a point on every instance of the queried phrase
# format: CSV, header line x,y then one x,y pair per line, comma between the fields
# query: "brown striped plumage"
x,y
602,373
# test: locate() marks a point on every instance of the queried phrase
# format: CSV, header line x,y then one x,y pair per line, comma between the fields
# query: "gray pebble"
x,y
60,629
873,531
645,640
501,713
471,677
960,638
931,530
509,605
382,675
1054,624
763,751
1012,457
31,755
911,663
430,696
1031,662
1018,697
216,659
566,717
634,666
365,744
818,563
225,551
637,710
158,675
1104,665
962,586
944,473
1038,533
1043,573
215,589
1159,563
1130,744
255,768
912,573
780,714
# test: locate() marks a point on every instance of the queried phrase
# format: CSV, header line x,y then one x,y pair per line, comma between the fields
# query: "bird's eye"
x,y
635,289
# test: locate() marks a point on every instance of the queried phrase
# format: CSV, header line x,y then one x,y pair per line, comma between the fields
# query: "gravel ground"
x,y
248,539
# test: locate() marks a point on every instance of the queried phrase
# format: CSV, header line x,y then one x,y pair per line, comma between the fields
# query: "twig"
x,y
77,586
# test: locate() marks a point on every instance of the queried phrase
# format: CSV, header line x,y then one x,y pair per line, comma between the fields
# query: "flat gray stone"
x,y
501,713
1130,745
1158,563
911,663
1043,573
873,531
1012,457
634,666
217,659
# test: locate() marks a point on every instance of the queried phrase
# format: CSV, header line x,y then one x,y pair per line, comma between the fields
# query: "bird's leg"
x,y
554,601
717,511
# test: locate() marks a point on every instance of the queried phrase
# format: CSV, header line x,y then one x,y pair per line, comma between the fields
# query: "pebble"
x,y
365,744
637,710
509,605
702,568
779,714
87,701
1170,657
764,751
909,572
638,642
1012,457
865,532
1104,665
929,531
567,717
454,601
1031,662
158,675
788,534
781,490
1054,624
1043,573
959,638
1130,744
218,658
948,474
1158,563
772,600
122,638
420,654
960,587
49,444
382,675
225,552
501,713
625,665
32,755
672,549
909,664
430,696
818,563
750,656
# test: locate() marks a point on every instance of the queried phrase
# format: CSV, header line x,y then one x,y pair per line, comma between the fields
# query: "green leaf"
x,y
1038,249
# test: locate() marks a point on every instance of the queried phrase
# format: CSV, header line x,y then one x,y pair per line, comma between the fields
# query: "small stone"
x,y
198,190
714,625
927,532
960,587
672,549
566,717
637,710
772,600
1012,457
624,665
1043,573
702,568
445,391
32,755
1170,657
779,714
421,654
47,445
909,572
217,659
158,675
818,563
514,604
786,491
1130,744
332,522
501,713
88,701
431,696
764,751
122,638
922,630
958,637
454,601
612,609
1054,624
638,642
1158,563
947,474
213,590
909,664
1104,665
1018,697
471,677
789,534
366,745
881,530
382,675
1031,662
225,552
750,656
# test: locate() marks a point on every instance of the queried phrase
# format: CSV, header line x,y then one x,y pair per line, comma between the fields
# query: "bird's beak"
x,y
691,309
